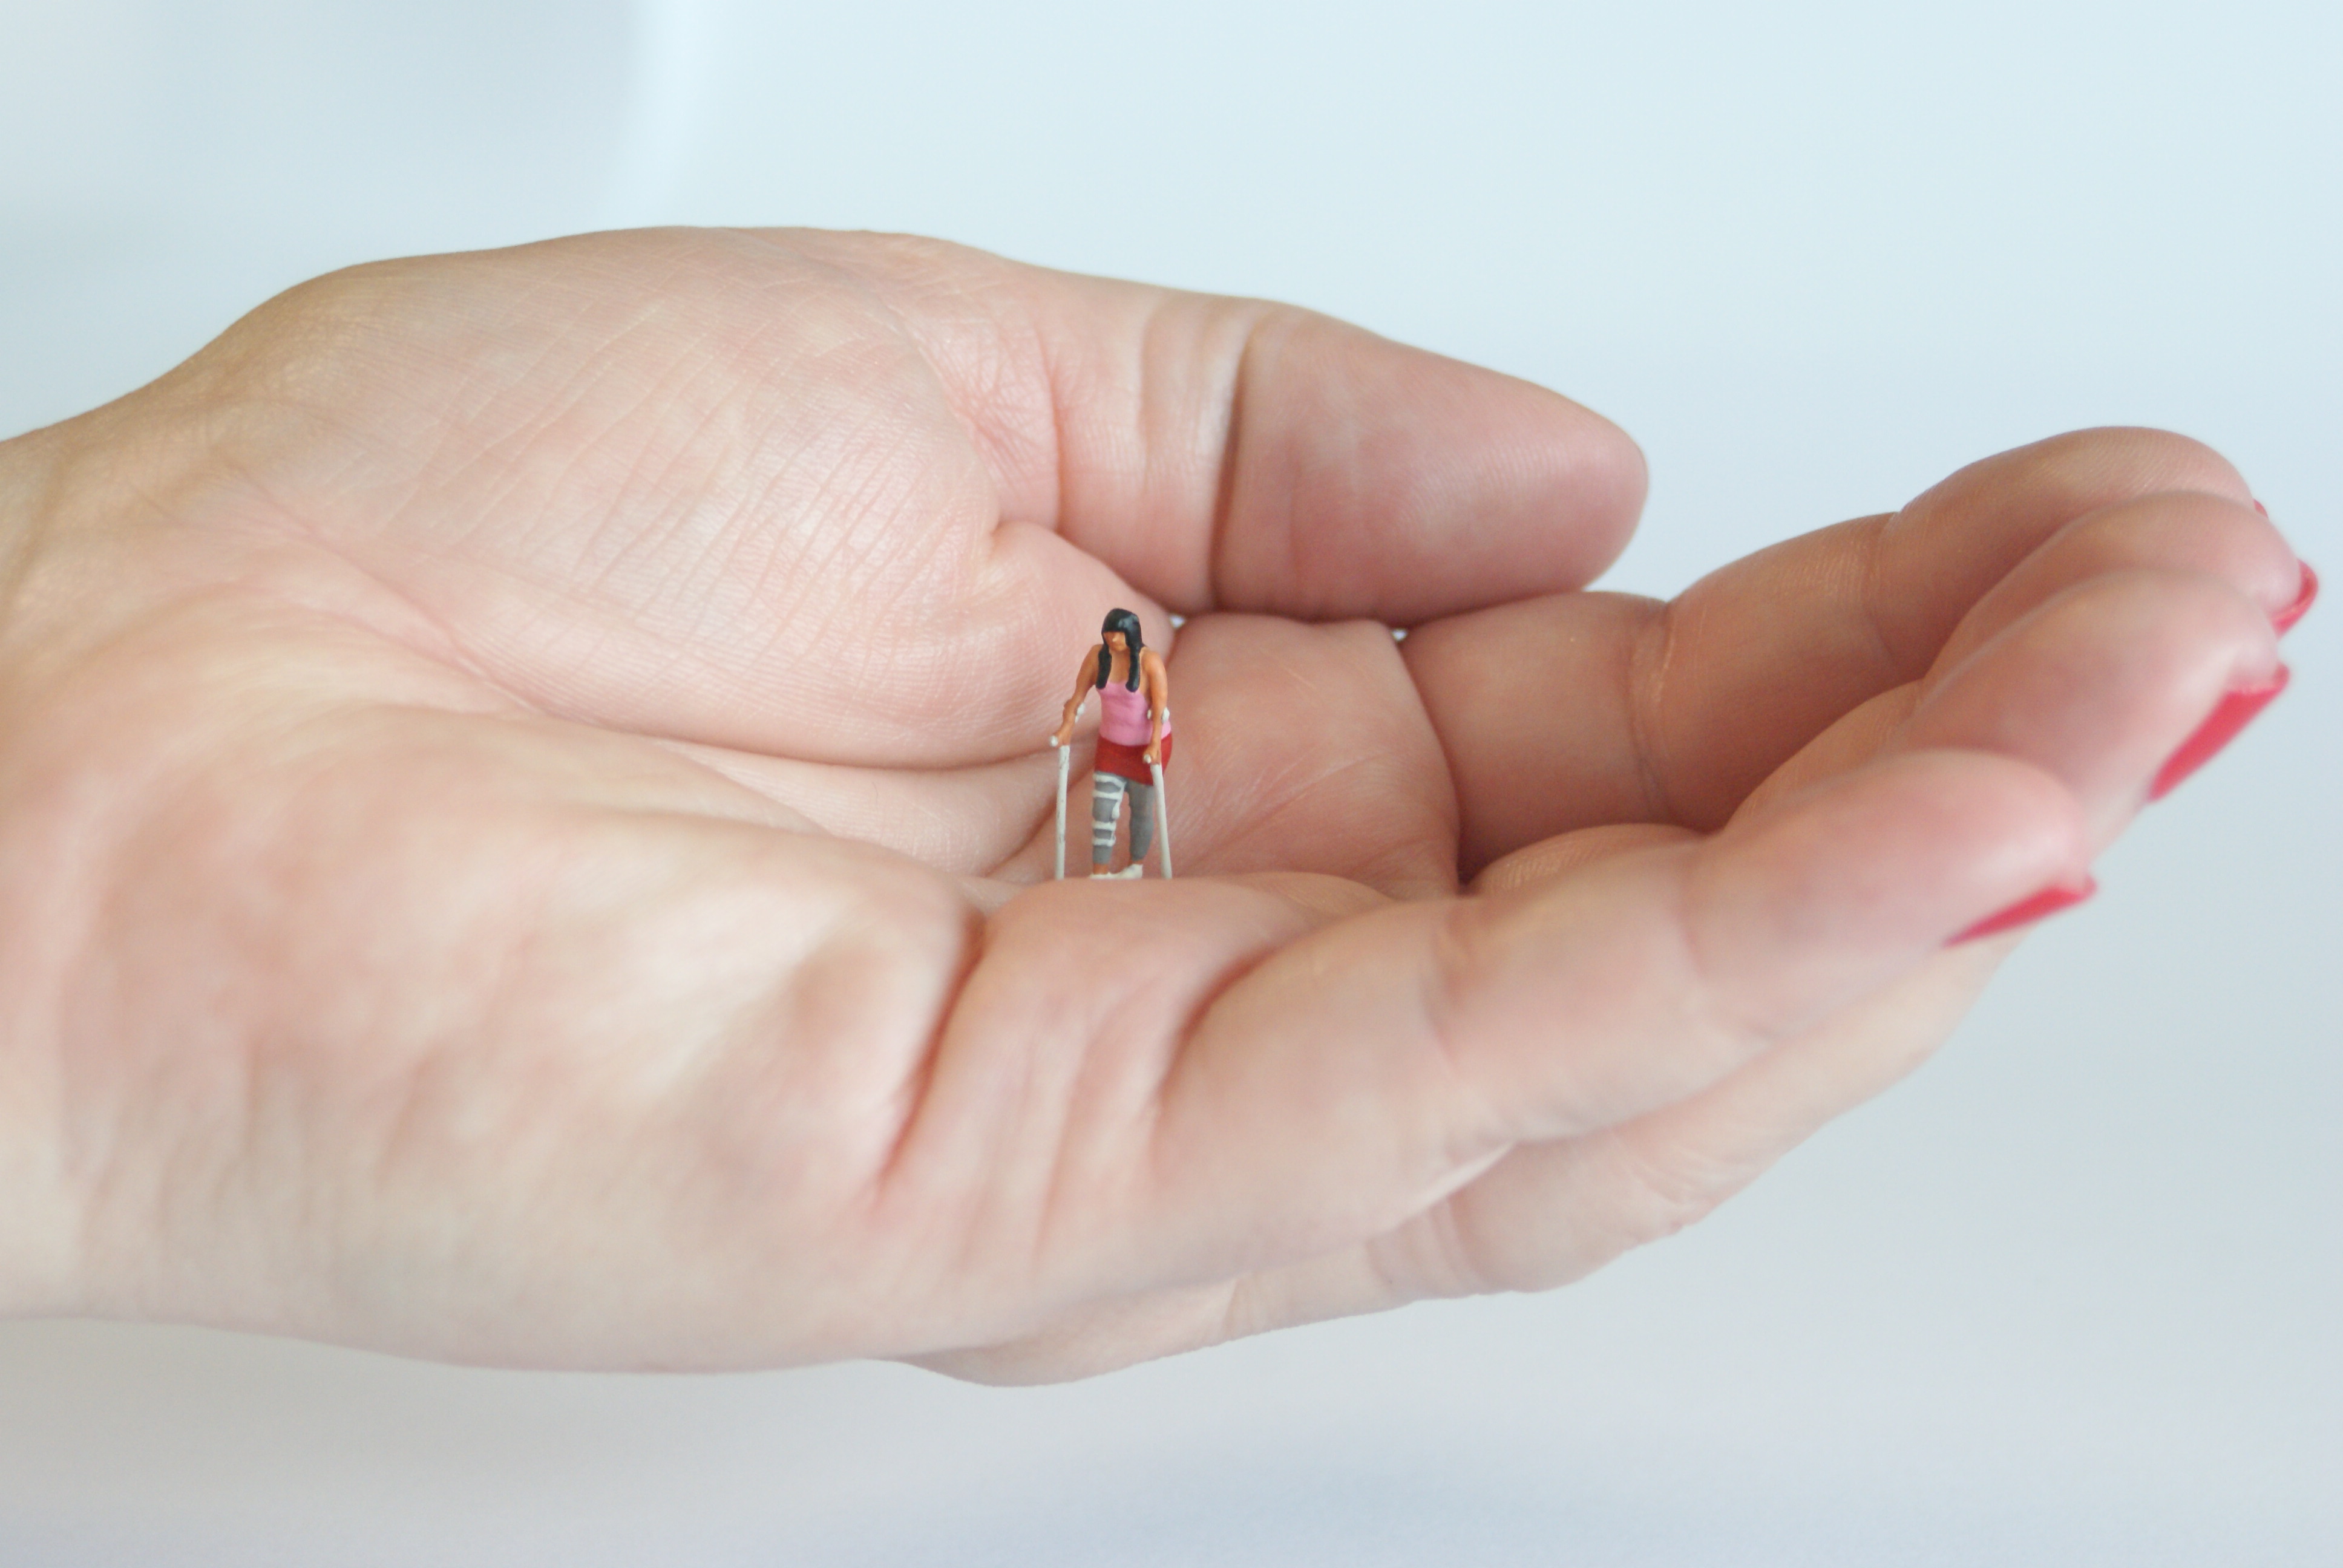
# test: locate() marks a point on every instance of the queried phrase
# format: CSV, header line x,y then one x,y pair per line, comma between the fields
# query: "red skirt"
x,y
1130,761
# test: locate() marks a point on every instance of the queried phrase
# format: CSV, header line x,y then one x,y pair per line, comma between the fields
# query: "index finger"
x,y
1235,454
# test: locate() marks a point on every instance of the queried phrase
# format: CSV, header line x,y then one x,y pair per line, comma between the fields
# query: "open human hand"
x,y
523,840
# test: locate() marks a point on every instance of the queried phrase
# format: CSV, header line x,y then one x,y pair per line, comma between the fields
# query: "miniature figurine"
x,y
1134,742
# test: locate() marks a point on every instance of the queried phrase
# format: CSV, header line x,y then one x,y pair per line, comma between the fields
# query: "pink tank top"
x,y
1122,715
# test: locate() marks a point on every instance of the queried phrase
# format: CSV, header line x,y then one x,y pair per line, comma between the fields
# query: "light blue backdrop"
x,y
2070,1296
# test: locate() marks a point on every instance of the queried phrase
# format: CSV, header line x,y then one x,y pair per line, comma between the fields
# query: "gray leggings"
x,y
1107,790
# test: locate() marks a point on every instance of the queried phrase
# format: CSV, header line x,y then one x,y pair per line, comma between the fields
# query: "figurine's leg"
x,y
1106,805
1142,819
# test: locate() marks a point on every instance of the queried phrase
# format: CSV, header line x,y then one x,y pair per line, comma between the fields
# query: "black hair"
x,y
1123,622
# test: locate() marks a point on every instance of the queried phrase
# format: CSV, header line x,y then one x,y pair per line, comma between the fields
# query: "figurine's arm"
x,y
1083,677
1159,699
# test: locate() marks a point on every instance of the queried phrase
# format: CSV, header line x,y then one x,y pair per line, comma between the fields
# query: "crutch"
x,y
1162,812
1065,759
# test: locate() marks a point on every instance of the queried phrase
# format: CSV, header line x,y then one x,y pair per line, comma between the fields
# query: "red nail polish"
x,y
2303,599
2221,726
2025,911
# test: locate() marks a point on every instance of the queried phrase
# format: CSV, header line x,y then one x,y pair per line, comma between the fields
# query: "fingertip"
x,y
1897,858
2032,911
2102,682
2305,594
1596,473
2081,471
1380,480
2230,716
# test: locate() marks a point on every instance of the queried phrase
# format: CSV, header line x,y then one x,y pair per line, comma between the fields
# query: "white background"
x,y
2073,1295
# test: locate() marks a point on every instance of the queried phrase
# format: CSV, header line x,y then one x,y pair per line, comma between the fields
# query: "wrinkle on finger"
x,y
1954,541
1236,453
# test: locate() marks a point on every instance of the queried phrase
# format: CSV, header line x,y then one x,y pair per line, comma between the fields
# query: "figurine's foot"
x,y
1136,868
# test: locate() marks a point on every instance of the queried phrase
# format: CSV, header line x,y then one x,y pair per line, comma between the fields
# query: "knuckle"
x,y
1667,1185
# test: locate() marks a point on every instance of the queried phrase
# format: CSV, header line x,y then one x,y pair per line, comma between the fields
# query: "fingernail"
x,y
2262,510
2221,726
2303,599
2025,911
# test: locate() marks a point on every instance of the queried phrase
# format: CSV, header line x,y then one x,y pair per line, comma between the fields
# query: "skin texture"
x,y
523,838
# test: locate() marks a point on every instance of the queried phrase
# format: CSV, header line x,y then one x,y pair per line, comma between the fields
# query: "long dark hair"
x,y
1123,622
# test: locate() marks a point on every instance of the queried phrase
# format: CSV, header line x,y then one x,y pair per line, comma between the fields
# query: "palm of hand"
x,y
575,725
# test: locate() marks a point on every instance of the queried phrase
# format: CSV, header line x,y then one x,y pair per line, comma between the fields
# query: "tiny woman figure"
x,y
1134,732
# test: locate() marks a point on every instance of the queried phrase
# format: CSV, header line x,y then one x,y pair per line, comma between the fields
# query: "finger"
x,y
1554,1212
1542,710
1544,1214
1352,1080
1303,748
1238,454
1551,857
1550,1213
2161,650
2177,531
2098,686
1591,708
